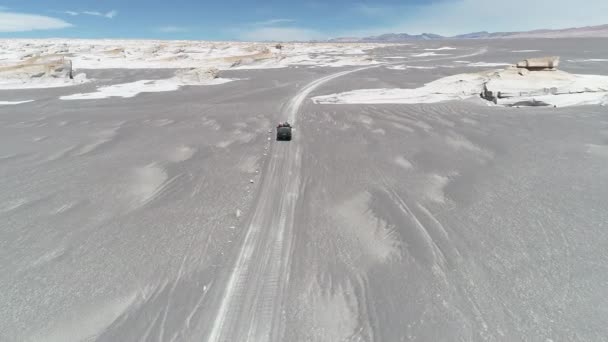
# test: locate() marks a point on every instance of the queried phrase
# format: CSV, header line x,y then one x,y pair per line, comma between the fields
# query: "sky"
x,y
285,20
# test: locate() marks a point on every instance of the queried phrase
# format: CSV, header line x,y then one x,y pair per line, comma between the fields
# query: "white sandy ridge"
x,y
588,60
448,88
429,54
11,103
132,89
150,54
406,67
441,48
553,88
487,65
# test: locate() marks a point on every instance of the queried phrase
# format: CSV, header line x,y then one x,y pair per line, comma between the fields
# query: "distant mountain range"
x,y
577,32
390,37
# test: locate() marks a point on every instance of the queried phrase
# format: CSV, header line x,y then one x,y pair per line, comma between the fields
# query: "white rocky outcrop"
x,y
534,82
188,77
39,72
197,75
36,67
549,87
132,54
541,63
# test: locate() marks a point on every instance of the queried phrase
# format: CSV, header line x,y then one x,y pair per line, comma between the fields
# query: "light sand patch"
x,y
487,64
12,205
91,319
132,89
471,122
441,48
461,143
224,144
8,156
329,315
249,164
429,54
245,137
588,60
369,238
425,126
163,122
182,153
12,103
406,67
434,188
213,124
403,127
146,183
49,256
61,153
404,163
366,120
64,208
448,88
598,150
103,137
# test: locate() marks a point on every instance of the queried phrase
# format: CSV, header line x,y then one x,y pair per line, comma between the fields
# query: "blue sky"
x,y
285,20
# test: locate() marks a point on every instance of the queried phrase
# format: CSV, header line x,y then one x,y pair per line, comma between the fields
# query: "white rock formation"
x,y
131,54
39,71
541,63
538,84
36,67
197,75
189,77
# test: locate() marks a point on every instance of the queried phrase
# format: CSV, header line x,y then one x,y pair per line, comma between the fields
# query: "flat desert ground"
x,y
176,216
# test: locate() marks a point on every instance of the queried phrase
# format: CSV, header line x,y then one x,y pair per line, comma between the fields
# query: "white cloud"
x,y
95,13
172,29
21,22
111,14
273,33
273,22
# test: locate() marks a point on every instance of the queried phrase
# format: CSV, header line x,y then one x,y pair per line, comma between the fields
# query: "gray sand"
x,y
135,219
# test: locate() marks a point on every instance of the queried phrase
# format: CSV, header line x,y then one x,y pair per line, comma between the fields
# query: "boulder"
x,y
39,67
541,63
116,52
511,86
197,75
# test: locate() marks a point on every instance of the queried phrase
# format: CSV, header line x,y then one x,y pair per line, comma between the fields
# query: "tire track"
x,y
251,305
252,300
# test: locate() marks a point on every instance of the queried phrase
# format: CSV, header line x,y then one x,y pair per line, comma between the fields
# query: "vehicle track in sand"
x,y
251,306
